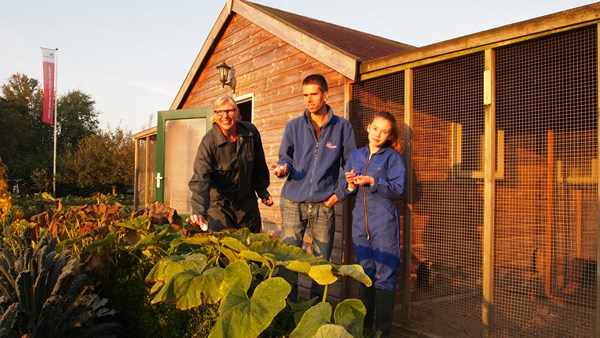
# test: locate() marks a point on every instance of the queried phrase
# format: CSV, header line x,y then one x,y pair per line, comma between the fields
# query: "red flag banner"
x,y
48,65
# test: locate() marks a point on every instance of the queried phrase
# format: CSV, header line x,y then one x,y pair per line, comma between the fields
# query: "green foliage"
x,y
253,288
102,161
27,142
231,283
128,293
316,322
43,294
242,316
5,198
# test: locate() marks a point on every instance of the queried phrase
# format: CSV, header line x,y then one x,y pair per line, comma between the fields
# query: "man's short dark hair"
x,y
318,80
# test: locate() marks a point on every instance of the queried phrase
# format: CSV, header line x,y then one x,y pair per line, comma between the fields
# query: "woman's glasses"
x,y
229,112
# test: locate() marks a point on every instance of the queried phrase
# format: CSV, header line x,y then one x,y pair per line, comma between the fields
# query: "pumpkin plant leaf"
x,y
322,274
355,271
242,316
252,256
233,244
350,313
332,330
312,320
169,266
297,266
193,288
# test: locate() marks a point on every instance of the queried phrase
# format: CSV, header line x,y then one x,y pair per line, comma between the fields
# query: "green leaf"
x,y
313,319
192,288
332,330
109,239
138,223
237,275
302,267
244,317
169,266
233,244
281,251
252,256
350,313
355,271
322,274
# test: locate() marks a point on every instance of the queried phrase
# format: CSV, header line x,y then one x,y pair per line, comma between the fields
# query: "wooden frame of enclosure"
x,y
485,42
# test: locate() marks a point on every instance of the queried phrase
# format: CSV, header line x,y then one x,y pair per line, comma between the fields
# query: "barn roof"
x,y
362,46
340,48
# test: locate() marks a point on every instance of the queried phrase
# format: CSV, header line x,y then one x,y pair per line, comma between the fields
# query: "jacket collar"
x,y
329,115
243,132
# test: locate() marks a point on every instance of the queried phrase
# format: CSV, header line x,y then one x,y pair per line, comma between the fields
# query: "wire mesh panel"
x,y
546,201
446,243
382,94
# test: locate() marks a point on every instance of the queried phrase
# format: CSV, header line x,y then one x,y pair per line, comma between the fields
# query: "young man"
x,y
315,146
229,172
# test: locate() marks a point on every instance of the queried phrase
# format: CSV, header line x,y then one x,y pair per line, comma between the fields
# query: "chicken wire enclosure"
x,y
448,221
545,201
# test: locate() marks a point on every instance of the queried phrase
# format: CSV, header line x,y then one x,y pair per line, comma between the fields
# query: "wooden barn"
x,y
270,52
500,133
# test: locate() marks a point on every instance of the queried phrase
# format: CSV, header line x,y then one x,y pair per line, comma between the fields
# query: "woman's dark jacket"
x,y
224,171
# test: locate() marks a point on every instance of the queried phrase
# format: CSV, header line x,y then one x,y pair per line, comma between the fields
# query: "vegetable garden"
x,y
99,269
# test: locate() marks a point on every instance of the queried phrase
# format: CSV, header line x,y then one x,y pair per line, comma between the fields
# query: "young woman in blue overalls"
x,y
375,175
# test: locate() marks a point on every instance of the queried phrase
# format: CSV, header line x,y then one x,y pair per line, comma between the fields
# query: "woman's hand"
x,y
198,221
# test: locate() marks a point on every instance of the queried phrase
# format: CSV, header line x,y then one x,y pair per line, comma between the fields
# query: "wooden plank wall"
x,y
272,71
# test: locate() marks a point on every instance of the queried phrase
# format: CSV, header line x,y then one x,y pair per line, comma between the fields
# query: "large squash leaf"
x,y
312,320
169,266
350,313
322,274
332,330
192,288
355,271
242,316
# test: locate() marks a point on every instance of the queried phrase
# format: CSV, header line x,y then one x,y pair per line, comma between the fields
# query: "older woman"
x,y
230,171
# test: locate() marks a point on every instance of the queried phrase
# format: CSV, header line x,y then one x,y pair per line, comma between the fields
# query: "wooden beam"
x,y
549,213
494,38
598,180
489,192
408,161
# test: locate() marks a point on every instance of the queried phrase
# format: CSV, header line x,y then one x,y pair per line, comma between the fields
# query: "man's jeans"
x,y
318,221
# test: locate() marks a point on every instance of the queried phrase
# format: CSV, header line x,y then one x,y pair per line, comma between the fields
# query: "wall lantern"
x,y
226,75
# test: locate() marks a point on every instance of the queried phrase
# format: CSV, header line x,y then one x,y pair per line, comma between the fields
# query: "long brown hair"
x,y
394,141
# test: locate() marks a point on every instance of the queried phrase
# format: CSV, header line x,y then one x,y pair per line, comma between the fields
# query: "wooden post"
x,y
578,201
598,181
489,191
407,229
549,213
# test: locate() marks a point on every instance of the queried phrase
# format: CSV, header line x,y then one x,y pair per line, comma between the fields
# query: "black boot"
x,y
384,312
367,296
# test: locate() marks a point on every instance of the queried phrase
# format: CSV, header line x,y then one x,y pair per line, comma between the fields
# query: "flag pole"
x,y
55,120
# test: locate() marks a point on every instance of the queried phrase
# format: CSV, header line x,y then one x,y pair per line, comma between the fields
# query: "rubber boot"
x,y
367,296
384,312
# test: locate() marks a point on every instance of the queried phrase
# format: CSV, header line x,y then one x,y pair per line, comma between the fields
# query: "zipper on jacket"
x,y
314,168
365,202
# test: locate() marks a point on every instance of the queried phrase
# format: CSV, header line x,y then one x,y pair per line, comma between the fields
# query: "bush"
x,y
128,293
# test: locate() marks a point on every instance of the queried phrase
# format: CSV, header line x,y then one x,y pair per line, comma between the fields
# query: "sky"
x,y
132,56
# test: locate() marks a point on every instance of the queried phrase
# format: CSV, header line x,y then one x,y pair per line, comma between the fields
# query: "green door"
x,y
179,134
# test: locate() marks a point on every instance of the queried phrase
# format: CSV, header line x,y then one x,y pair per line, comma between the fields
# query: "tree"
x,y
27,142
77,118
102,160
23,135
